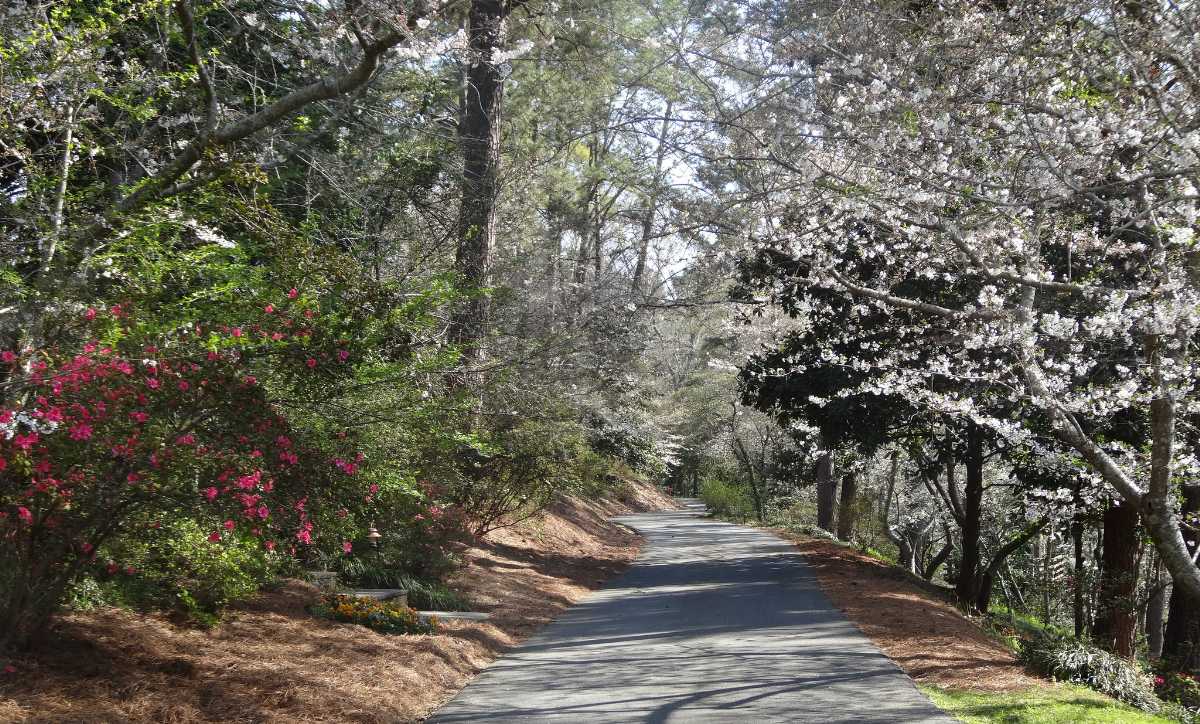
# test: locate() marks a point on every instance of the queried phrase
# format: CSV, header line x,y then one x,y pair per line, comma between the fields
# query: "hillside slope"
x,y
270,661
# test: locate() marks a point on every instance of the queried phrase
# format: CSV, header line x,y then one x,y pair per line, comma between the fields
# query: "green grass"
x,y
1039,705
1025,623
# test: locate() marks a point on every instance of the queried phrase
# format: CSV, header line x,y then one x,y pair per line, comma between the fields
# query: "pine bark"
x,y
967,585
826,492
846,507
479,141
1116,617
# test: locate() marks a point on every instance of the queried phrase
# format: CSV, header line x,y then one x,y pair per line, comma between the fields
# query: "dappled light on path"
x,y
714,622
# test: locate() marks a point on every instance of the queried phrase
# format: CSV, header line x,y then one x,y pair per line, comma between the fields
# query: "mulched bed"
x,y
271,661
910,621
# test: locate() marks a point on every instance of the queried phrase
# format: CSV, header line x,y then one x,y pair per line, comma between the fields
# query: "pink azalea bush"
x,y
131,429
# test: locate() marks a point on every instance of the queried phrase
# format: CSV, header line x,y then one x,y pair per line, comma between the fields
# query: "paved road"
x,y
713,623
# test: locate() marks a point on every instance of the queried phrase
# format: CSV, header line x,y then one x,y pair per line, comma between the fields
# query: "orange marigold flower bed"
x,y
381,616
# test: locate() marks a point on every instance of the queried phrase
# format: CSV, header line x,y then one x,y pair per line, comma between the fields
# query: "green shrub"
x,y
1077,661
622,437
1180,688
382,616
509,474
178,569
423,594
726,500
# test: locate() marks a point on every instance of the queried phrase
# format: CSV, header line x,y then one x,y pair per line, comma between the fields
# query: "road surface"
x,y
713,623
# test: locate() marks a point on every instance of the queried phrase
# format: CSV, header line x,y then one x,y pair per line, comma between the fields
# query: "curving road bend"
x,y
713,623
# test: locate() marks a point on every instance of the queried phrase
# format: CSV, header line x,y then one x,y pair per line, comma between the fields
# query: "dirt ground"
x,y
918,629
270,661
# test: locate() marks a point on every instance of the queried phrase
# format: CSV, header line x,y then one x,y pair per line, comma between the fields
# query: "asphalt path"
x,y
712,623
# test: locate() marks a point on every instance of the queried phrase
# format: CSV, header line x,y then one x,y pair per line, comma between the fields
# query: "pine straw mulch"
x,y
913,623
270,661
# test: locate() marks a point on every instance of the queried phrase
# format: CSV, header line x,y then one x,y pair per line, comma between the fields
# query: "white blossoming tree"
x,y
1021,178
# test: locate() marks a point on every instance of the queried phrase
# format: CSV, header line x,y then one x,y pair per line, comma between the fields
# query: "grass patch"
x,y
1042,705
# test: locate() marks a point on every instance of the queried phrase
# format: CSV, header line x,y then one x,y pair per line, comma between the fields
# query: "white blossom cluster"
x,y
1016,190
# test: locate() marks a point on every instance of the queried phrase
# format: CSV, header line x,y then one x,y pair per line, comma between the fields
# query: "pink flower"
x,y
310,362
263,512
211,493
343,355
1159,681
214,537
81,431
133,477
250,380
418,516
25,442
186,439
87,548
270,308
10,669
229,525
90,314
292,294
139,416
237,332
24,514
152,383
304,537
183,386
3,464
269,545
89,347
374,488
347,546
8,356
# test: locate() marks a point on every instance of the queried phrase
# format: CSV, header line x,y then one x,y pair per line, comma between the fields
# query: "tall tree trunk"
x,y
826,491
479,141
1155,608
744,457
1077,608
967,585
1181,644
846,508
639,269
1116,617
553,271
931,568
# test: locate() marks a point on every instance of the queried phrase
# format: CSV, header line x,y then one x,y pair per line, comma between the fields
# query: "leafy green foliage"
x,y
624,438
1179,688
1077,661
726,500
178,568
